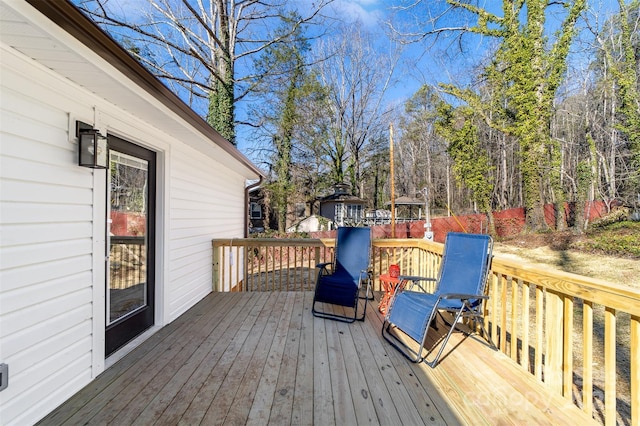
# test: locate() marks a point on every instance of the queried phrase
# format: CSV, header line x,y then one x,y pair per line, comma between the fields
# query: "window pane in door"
x,y
128,178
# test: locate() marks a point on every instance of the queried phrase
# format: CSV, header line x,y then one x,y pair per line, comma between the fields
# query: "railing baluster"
x,y
609,366
241,251
281,269
524,314
539,331
494,306
223,260
587,357
272,267
253,265
316,254
567,357
258,275
295,267
309,261
503,315
634,331
554,339
514,318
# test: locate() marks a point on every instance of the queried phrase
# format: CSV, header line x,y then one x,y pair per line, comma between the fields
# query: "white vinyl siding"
x,y
207,201
48,256
46,248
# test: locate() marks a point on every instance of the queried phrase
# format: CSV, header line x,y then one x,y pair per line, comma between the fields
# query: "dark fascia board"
x,y
68,17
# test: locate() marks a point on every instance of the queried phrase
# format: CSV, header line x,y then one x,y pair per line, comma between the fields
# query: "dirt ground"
x,y
553,250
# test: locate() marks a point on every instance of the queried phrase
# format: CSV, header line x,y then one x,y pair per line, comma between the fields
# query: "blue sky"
x,y
427,62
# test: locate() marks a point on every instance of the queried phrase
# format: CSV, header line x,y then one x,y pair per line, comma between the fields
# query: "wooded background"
x,y
545,110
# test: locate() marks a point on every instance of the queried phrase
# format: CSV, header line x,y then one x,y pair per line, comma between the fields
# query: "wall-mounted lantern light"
x,y
93,149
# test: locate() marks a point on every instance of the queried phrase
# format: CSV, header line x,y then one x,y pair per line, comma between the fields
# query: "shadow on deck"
x,y
262,358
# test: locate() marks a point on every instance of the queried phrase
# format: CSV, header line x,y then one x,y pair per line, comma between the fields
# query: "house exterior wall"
x,y
52,222
207,202
328,209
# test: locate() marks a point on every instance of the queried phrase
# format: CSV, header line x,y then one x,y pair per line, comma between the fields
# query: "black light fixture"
x,y
92,147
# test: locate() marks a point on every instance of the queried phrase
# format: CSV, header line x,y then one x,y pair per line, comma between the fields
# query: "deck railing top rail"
x,y
620,297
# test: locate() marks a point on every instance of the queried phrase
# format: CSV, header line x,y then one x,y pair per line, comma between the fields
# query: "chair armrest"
x,y
463,296
365,275
323,265
415,280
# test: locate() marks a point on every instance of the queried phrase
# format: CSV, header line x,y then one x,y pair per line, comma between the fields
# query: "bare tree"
x,y
422,152
610,104
355,77
203,48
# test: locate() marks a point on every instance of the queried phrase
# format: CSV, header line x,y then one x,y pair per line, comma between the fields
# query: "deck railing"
x,y
579,336
127,256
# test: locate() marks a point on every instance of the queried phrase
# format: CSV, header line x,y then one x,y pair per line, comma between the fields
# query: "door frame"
x,y
119,333
99,270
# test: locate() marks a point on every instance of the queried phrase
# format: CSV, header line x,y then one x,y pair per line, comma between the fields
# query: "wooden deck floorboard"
x,y
262,358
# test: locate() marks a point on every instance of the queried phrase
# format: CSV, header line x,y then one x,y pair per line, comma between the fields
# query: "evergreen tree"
x,y
287,84
530,73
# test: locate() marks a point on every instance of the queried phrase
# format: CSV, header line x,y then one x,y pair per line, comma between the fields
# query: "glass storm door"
x,y
130,242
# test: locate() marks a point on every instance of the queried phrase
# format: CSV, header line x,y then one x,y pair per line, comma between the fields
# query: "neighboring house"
x,y
262,217
257,212
341,207
94,261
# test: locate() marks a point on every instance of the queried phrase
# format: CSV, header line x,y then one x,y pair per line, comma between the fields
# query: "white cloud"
x,y
369,12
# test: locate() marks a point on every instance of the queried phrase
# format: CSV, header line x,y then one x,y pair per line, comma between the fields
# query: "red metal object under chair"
x,y
389,284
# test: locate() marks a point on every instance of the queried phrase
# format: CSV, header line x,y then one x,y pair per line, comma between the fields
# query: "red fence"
x,y
127,224
508,222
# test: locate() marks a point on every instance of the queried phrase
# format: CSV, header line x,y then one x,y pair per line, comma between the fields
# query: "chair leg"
x,y
366,299
368,295
485,333
433,363
399,345
477,318
341,318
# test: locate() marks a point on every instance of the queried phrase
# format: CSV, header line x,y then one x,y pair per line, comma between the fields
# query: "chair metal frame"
x,y
332,271
460,305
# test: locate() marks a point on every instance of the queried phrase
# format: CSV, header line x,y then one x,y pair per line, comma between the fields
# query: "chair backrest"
x,y
353,251
465,263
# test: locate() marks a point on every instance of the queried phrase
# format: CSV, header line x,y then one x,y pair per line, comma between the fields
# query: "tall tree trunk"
x,y
612,152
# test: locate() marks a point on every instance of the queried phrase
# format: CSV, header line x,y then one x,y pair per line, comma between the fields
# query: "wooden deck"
x,y
262,358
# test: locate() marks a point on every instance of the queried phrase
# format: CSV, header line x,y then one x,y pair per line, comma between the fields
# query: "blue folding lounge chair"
x,y
460,290
342,284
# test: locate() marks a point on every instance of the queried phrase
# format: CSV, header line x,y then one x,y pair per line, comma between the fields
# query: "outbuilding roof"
x,y
406,201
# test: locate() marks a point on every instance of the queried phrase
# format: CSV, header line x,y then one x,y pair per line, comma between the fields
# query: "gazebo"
x,y
406,204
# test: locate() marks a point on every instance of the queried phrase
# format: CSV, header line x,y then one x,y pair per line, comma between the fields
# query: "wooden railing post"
x,y
216,268
587,357
567,344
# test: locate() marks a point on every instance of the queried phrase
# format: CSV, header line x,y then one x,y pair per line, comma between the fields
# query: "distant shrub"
x,y
619,214
619,238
